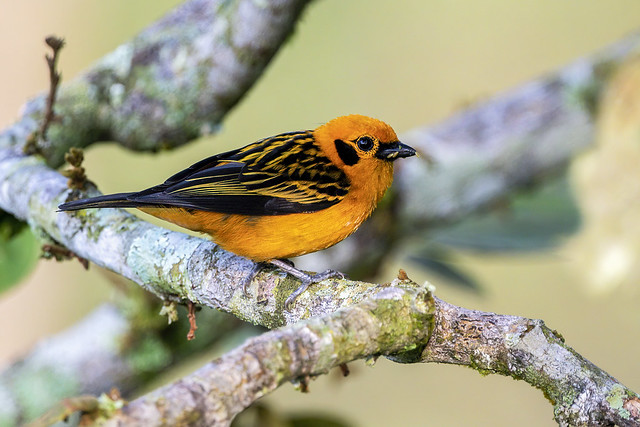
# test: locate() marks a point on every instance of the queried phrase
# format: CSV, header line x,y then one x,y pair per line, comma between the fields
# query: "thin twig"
x,y
61,253
56,44
192,320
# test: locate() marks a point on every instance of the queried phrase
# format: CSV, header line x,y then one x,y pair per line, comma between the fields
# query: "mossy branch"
x,y
405,323
526,349
113,346
172,83
395,319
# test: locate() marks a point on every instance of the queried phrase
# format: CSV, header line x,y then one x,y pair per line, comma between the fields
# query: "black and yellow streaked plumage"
x,y
280,175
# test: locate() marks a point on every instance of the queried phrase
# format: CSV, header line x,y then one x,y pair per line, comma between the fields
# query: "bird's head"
x,y
358,144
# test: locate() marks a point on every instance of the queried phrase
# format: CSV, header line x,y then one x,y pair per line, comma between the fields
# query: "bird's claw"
x,y
327,274
246,282
287,267
288,303
308,280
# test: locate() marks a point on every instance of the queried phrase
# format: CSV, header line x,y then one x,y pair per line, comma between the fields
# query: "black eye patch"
x,y
347,153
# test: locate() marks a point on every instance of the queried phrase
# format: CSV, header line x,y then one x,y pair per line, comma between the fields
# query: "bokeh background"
x,y
410,63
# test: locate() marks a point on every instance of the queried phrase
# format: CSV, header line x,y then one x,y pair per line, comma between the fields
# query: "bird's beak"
x,y
395,150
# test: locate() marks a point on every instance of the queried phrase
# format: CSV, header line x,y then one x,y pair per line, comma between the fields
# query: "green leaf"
x,y
9,226
533,221
19,251
263,415
437,259
319,420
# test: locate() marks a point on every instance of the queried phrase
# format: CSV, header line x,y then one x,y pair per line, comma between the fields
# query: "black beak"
x,y
394,150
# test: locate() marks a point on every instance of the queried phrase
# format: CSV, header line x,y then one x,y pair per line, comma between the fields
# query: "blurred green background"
x,y
409,63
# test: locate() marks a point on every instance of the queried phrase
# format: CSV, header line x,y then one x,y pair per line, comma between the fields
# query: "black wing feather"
x,y
269,177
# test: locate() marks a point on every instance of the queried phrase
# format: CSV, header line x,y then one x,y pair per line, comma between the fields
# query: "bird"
x,y
280,197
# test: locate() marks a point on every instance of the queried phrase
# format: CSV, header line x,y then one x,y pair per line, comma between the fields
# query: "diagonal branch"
x,y
108,348
484,154
405,323
394,320
172,83
525,349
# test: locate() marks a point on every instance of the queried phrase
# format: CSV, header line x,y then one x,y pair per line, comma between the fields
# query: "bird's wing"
x,y
279,175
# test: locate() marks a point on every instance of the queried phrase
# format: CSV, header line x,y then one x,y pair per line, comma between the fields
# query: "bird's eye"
x,y
365,143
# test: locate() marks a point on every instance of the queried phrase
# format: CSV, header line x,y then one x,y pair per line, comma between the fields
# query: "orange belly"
x,y
262,238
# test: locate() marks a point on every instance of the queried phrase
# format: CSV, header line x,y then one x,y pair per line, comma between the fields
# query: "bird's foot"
x,y
246,282
306,278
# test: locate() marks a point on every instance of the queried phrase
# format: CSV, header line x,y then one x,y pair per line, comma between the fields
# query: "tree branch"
x,y
483,155
394,320
404,322
108,348
172,83
582,394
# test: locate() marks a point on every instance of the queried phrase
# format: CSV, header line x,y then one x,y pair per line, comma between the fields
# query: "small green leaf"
x,y
9,226
437,259
19,251
317,420
533,221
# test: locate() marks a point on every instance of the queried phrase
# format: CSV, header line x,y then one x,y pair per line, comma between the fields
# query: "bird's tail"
x,y
119,200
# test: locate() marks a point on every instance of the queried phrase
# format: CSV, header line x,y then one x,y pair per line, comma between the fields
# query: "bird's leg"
x,y
246,282
307,279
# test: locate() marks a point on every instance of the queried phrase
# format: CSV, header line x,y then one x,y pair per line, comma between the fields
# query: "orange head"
x,y
363,147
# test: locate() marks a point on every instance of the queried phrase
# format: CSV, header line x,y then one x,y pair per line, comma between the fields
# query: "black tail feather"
x,y
119,200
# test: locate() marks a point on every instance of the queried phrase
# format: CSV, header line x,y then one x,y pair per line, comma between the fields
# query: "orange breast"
x,y
267,237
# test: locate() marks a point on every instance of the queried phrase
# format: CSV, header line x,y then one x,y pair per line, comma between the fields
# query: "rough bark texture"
x,y
396,319
108,348
404,322
581,393
172,83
